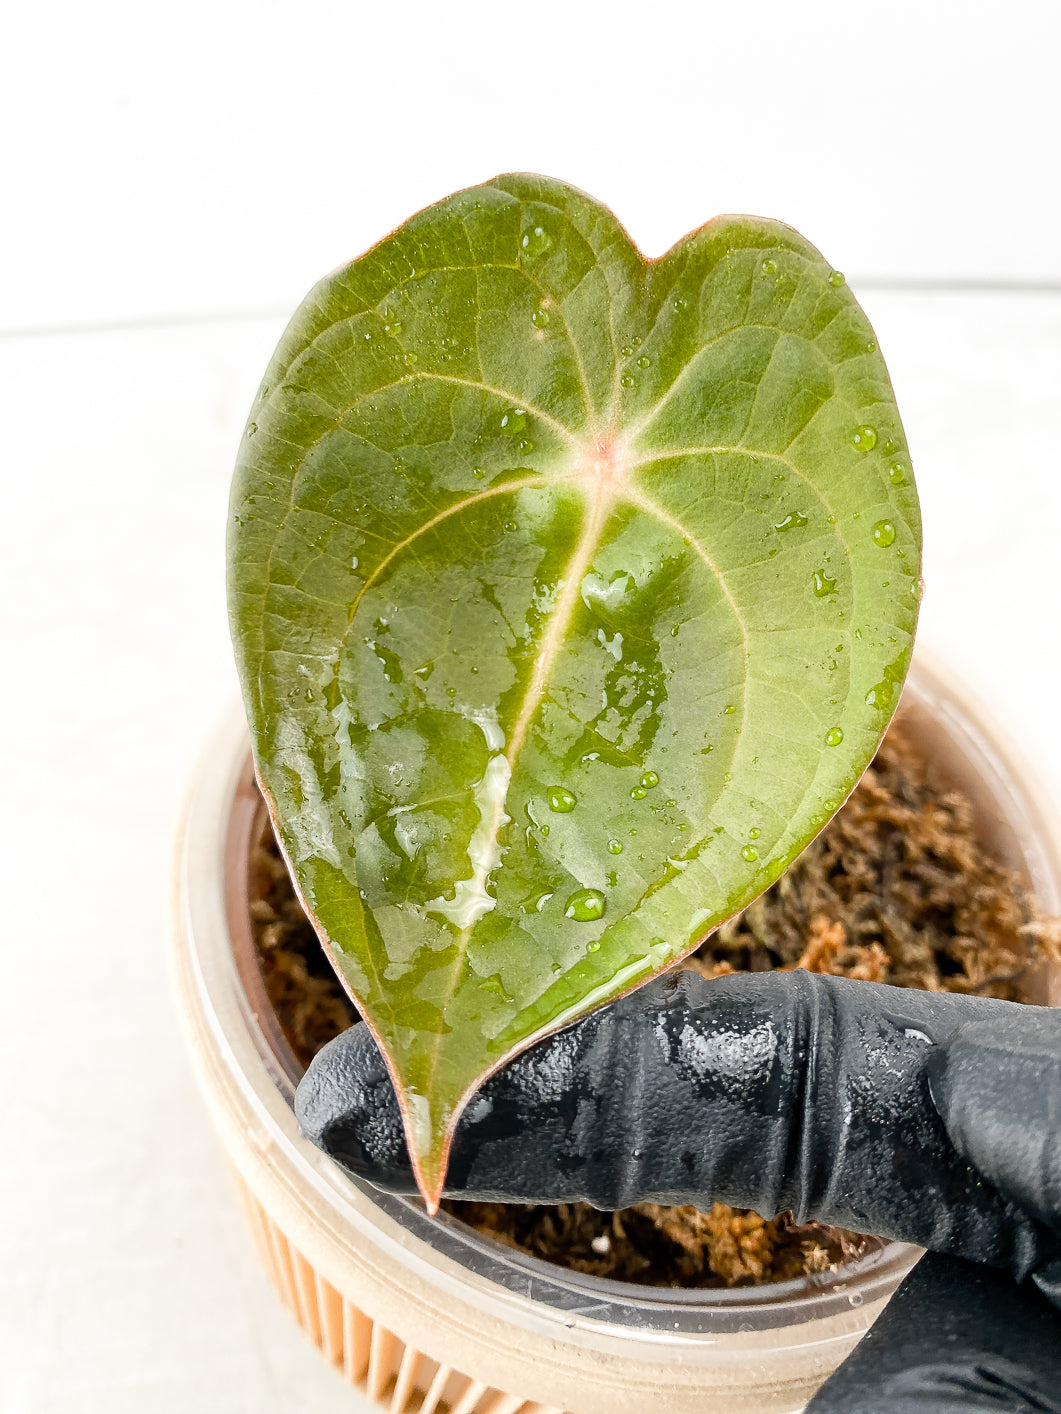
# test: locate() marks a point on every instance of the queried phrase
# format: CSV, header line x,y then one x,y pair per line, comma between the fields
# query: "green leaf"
x,y
572,593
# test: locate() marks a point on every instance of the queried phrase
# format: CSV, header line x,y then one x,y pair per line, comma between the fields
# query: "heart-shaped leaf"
x,y
572,593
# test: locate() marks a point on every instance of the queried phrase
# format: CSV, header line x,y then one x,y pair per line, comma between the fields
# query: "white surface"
x,y
221,156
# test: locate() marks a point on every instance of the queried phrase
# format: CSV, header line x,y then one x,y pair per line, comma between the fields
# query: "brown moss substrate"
x,y
897,889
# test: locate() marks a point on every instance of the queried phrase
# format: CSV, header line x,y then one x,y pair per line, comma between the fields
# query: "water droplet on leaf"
x,y
883,534
836,279
792,521
749,855
513,421
615,846
495,987
834,736
822,585
864,438
540,318
585,906
536,241
649,779
561,800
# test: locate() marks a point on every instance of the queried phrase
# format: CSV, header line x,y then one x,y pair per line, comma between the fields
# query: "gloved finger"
x,y
997,1085
345,1103
954,1339
771,1091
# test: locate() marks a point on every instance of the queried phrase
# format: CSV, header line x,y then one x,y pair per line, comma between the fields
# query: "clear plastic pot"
x,y
425,1314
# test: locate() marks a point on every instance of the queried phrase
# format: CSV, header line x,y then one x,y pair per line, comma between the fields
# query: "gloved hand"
x,y
926,1117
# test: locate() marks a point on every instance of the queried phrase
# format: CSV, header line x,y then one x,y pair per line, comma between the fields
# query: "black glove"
x,y
925,1117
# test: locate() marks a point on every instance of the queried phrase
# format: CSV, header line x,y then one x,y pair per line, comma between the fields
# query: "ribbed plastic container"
x,y
423,1314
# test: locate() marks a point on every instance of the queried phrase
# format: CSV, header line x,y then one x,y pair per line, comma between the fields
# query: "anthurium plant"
x,y
572,592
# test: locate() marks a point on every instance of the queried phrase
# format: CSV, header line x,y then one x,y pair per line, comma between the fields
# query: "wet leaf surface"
x,y
572,593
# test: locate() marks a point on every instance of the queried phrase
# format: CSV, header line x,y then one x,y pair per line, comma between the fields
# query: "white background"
x,y
174,179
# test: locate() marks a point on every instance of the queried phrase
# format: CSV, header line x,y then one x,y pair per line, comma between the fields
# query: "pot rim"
x,y
220,815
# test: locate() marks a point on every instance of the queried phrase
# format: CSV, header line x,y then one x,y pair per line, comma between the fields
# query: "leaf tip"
x,y
429,1170
428,1137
